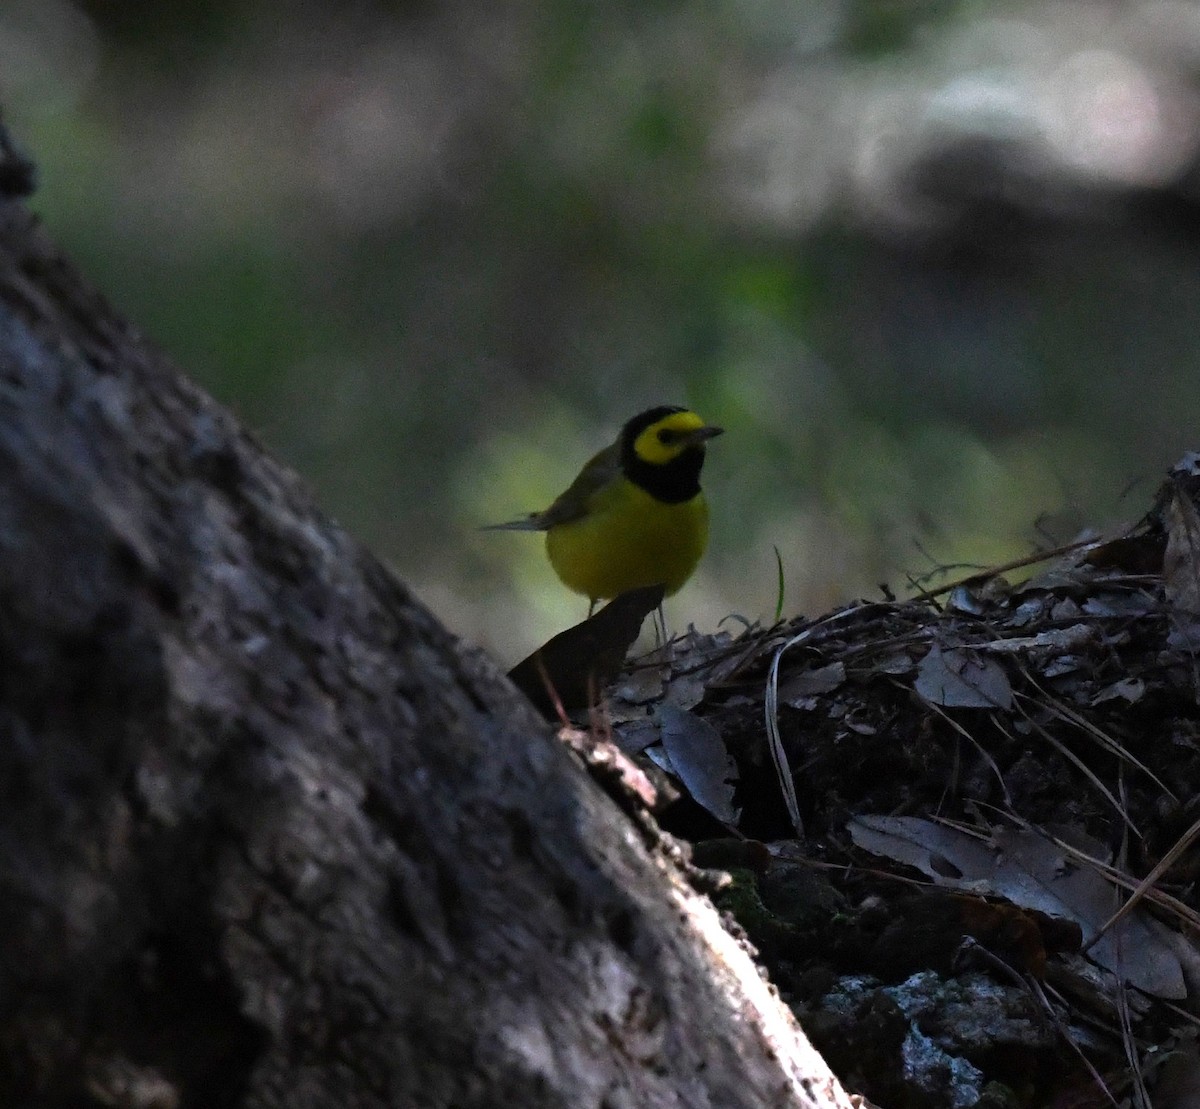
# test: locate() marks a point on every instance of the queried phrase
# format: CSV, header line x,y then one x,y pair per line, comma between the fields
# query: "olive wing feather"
x,y
573,502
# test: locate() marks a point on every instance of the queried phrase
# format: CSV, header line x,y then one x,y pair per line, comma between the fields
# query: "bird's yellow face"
x,y
666,439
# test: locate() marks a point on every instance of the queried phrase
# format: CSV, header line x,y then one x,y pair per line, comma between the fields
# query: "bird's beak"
x,y
702,434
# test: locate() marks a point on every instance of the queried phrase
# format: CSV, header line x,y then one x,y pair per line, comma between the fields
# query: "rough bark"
x,y
270,836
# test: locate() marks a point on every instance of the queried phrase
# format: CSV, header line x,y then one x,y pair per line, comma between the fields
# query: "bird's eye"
x,y
666,436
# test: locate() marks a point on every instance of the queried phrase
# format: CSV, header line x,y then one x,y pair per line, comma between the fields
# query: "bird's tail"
x,y
532,522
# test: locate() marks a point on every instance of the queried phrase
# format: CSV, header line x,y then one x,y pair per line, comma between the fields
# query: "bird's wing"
x,y
573,502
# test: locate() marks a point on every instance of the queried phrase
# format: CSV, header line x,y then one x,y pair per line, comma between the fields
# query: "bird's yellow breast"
x,y
628,539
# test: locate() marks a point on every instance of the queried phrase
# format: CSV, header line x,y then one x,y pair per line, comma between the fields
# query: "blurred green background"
x,y
934,265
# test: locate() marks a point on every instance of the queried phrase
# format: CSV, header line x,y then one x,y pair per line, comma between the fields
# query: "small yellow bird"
x,y
635,515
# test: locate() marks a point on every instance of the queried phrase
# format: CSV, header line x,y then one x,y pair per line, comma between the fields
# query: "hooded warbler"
x,y
634,516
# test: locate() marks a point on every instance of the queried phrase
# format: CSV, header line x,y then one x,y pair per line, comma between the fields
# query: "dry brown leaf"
x,y
572,670
1030,870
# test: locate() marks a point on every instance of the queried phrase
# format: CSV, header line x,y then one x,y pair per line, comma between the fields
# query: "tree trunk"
x,y
270,836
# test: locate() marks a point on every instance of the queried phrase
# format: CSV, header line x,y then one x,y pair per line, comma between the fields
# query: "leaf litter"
x,y
900,788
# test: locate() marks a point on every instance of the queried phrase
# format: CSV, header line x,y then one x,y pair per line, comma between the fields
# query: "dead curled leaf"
x,y
571,670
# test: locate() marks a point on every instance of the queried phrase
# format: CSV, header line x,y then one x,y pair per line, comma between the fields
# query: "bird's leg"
x,y
660,627
591,607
